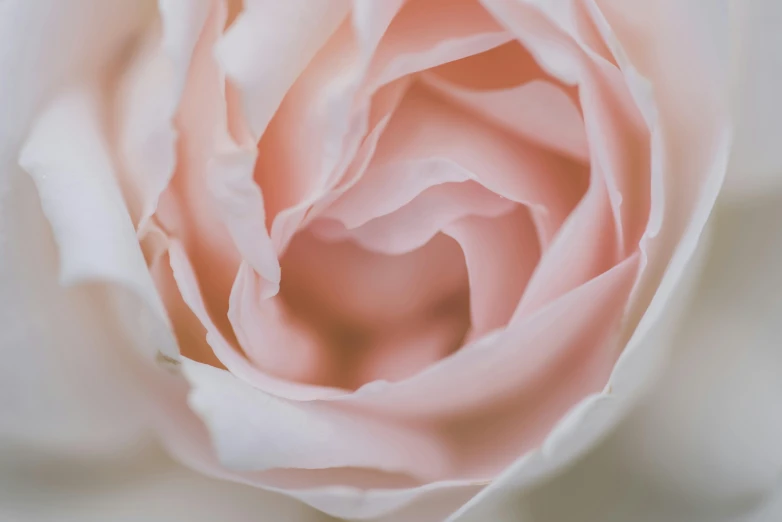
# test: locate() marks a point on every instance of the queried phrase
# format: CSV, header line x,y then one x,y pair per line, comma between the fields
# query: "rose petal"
x,y
148,95
440,389
63,392
453,146
585,246
501,253
224,349
425,34
69,160
414,224
188,440
268,335
704,166
67,156
539,111
213,203
327,96
338,282
188,211
303,436
269,45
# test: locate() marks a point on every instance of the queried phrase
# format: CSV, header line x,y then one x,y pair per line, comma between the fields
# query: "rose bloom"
x,y
387,257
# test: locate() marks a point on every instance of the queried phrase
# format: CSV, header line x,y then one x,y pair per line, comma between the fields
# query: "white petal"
x,y
60,387
47,42
239,417
66,155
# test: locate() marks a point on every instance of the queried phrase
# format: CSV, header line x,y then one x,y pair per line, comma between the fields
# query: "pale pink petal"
x,y
343,282
370,22
240,206
384,104
619,143
431,142
183,22
684,117
187,327
584,247
501,253
187,439
238,197
178,66
304,435
413,225
66,42
609,111
269,45
428,33
327,98
212,204
310,118
686,108
401,353
187,209
538,111
227,353
230,175
268,335
264,344
580,321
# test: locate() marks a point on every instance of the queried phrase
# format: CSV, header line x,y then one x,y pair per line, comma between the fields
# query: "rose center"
x,y
376,316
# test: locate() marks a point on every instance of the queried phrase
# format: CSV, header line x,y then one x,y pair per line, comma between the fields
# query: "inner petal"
x,y
430,141
505,66
374,315
187,210
501,253
414,224
319,125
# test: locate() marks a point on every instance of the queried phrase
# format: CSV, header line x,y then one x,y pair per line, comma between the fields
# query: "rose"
x,y
222,157
586,190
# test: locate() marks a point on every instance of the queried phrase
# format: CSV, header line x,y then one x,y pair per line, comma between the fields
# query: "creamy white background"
x,y
704,445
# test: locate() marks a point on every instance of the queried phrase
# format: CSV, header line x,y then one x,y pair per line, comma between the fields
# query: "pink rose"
x,y
408,249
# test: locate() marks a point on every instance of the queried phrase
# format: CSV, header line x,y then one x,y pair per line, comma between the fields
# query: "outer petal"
x,y
53,339
67,156
62,39
148,94
684,221
239,417
703,447
53,342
